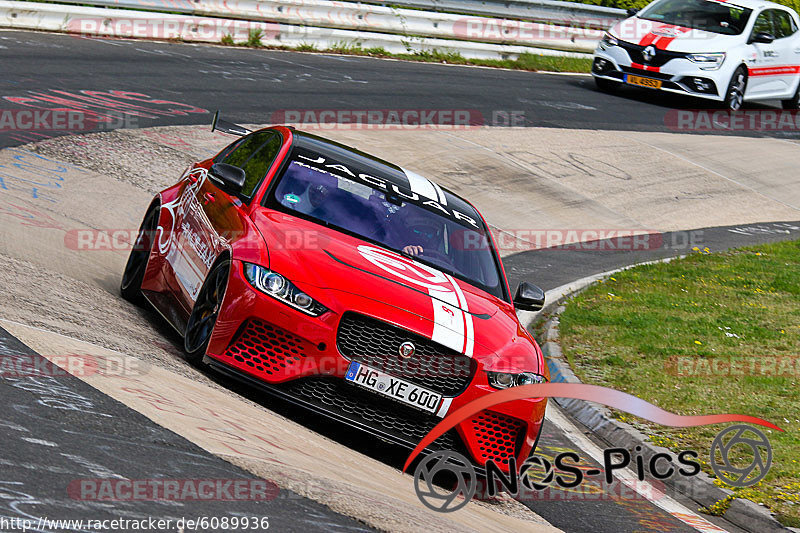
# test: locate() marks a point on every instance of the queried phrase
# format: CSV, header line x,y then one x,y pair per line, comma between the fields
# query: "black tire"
x,y
607,86
793,102
204,313
734,96
131,286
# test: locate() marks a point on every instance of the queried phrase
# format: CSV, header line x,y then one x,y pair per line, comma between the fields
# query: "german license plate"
x,y
643,82
396,388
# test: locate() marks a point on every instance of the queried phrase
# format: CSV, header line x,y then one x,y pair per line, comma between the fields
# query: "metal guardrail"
x,y
572,14
557,12
101,22
411,24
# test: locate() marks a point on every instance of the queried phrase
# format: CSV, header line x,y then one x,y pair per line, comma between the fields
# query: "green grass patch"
x,y
531,62
707,334
254,38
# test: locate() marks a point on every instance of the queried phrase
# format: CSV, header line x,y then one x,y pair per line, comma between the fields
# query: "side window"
x,y
227,150
254,154
784,25
763,23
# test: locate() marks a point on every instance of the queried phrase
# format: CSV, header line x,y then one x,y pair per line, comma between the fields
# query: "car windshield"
x,y
715,17
373,208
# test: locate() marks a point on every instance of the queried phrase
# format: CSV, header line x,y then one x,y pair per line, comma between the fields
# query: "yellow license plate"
x,y
644,82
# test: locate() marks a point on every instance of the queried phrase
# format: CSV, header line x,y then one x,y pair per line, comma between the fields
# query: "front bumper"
x,y
287,353
677,75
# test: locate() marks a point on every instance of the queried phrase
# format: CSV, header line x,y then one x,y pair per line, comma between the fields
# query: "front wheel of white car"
x,y
734,97
794,101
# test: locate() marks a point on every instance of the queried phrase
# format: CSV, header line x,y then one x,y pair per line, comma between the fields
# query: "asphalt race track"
x,y
108,440
181,85
249,85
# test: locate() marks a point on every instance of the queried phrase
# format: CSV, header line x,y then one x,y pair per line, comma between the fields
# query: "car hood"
x,y
671,37
313,255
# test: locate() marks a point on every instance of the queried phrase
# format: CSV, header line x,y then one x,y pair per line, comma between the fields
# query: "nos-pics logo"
x,y
446,481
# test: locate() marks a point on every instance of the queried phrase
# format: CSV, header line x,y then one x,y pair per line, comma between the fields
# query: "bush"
x,y
639,4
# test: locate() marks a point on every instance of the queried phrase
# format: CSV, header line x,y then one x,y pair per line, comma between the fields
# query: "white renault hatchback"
x,y
733,52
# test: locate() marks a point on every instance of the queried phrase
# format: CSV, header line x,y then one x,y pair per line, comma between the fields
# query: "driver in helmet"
x,y
423,232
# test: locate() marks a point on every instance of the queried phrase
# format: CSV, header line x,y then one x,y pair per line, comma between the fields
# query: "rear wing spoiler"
x,y
228,127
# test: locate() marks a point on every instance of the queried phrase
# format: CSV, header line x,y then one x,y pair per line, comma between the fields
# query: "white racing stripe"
x,y
469,330
421,185
440,193
452,323
628,478
448,319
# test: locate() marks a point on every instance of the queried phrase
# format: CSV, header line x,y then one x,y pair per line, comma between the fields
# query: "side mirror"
x,y
762,38
631,11
230,178
529,297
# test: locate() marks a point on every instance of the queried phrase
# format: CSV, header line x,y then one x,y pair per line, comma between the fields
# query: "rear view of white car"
x,y
733,52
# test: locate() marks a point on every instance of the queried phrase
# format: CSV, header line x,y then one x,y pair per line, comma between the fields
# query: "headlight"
x,y
277,286
608,41
504,380
708,61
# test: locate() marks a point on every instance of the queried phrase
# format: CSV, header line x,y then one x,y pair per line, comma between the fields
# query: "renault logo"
x,y
407,349
649,53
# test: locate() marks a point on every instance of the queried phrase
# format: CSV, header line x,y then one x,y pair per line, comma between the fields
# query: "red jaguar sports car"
x,y
346,285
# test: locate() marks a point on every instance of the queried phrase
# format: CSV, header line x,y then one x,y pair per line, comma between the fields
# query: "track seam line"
x,y
687,160
525,167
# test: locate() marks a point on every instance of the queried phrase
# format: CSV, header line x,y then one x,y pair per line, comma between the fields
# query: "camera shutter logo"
x,y
721,460
547,473
454,464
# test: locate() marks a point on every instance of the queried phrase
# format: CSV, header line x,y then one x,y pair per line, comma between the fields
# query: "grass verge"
x,y
530,62
707,334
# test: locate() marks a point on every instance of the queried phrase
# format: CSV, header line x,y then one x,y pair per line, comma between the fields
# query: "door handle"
x,y
209,197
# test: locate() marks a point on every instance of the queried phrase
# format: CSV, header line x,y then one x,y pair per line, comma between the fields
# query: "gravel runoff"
x,y
150,159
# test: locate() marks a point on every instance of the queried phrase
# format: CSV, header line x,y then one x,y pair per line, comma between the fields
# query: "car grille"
x,y
660,59
266,348
376,344
354,403
499,436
